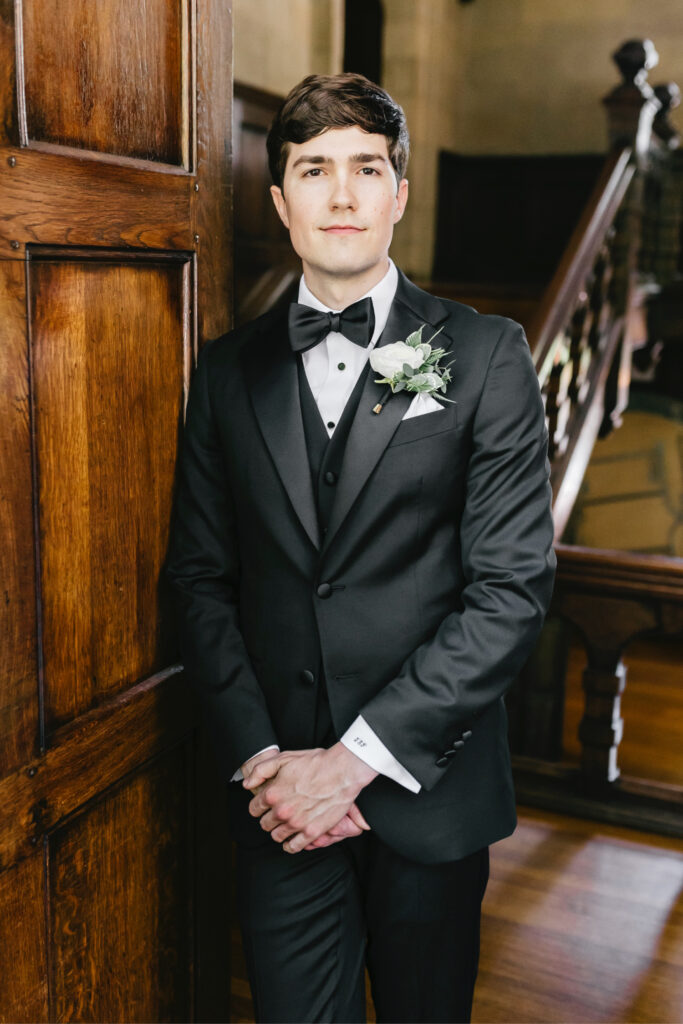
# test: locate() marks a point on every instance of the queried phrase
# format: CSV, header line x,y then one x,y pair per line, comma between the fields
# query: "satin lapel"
x,y
271,376
371,433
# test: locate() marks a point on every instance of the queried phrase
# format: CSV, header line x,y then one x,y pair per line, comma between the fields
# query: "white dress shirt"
x,y
333,367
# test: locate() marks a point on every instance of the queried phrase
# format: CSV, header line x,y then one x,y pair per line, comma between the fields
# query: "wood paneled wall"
x,y
507,219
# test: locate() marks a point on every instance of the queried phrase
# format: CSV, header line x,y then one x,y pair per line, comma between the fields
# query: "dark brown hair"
x,y
320,102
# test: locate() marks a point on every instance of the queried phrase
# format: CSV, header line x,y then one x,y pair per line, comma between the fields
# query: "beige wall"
x,y
420,40
535,71
278,42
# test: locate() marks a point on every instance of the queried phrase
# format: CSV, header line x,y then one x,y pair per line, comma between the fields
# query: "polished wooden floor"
x,y
582,923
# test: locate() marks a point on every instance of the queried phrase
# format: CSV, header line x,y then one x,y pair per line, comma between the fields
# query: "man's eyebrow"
x,y
366,158
355,158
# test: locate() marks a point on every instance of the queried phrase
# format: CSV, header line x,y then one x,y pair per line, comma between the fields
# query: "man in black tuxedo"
x,y
358,589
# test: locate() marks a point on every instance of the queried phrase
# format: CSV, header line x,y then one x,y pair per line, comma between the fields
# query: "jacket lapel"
x,y
271,375
371,433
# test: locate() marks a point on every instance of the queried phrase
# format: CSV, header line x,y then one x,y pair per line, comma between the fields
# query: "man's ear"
x,y
401,199
280,204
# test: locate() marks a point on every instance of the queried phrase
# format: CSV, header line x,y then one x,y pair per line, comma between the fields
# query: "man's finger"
x,y
282,832
357,818
262,771
323,841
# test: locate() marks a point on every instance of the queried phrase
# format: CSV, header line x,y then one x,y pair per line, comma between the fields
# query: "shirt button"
x,y
307,676
330,424
324,590
330,477
341,366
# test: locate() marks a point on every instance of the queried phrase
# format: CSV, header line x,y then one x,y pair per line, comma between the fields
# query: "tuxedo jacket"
x,y
423,598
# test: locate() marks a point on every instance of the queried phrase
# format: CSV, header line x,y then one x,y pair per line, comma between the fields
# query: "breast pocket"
x,y
430,423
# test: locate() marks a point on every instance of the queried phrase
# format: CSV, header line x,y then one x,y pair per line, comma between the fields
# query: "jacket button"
x,y
442,762
324,590
466,735
458,745
307,676
330,477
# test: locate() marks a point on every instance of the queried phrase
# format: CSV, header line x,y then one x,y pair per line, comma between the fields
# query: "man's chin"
x,y
347,268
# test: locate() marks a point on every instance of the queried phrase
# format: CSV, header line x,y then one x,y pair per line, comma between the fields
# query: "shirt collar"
x,y
382,295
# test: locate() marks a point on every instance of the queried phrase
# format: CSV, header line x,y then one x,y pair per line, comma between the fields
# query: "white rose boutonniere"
x,y
411,365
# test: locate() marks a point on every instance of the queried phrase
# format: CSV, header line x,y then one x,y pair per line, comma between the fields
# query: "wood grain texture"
x,y
9,117
582,923
87,755
213,210
23,992
108,77
108,239
119,902
88,202
19,690
109,345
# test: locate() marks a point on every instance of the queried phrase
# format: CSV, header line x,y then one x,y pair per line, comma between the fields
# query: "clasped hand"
x,y
306,798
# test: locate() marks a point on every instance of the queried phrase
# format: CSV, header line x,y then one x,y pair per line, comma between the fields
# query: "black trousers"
x,y
310,922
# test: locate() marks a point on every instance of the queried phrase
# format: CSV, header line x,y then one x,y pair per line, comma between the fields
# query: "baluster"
x,y
602,727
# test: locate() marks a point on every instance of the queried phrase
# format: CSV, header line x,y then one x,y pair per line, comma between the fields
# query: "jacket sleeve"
x,y
506,536
203,570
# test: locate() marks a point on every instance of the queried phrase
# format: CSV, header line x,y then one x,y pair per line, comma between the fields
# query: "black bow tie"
x,y
308,326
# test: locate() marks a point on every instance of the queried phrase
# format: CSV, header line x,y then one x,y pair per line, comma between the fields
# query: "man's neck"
x,y
339,292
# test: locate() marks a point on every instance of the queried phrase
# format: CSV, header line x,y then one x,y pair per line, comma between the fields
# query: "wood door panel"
x,y
109,77
23,991
115,263
19,690
110,347
119,902
91,203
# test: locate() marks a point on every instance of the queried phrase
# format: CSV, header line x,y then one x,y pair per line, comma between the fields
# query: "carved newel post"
x,y
631,106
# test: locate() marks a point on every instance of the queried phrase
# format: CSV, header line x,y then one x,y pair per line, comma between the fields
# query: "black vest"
x,y
325,453
325,456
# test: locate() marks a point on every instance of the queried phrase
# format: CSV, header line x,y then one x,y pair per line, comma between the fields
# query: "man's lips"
x,y
342,229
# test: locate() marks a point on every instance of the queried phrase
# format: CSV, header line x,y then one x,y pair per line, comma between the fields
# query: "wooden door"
x,y
115,264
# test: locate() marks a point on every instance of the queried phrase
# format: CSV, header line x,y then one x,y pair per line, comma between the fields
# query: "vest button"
x,y
307,676
330,477
324,590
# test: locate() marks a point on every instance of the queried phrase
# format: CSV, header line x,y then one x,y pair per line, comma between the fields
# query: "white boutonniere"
x,y
411,365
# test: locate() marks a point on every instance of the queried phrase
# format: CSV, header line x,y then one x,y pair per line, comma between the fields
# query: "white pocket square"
x,y
422,404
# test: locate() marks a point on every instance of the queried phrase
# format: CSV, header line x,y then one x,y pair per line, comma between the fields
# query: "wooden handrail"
x,y
622,573
559,298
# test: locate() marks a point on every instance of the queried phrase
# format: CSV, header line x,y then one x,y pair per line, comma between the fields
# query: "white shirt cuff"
x,y
366,744
238,777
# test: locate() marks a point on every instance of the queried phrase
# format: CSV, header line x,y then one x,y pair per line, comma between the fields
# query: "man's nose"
x,y
342,193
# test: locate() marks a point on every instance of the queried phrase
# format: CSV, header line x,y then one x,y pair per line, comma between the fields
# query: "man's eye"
x,y
314,171
373,170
